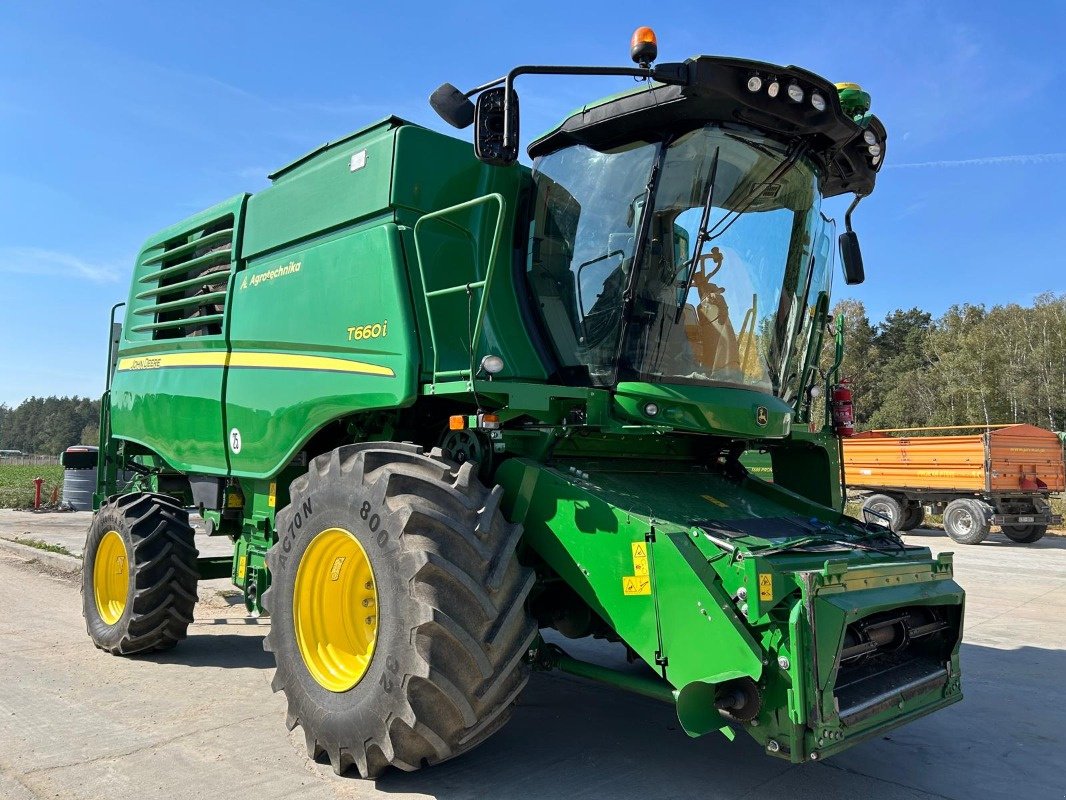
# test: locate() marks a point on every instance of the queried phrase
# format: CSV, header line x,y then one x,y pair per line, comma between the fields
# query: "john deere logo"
x,y
761,416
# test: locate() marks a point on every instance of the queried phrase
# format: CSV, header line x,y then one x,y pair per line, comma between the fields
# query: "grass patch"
x,y
39,545
16,483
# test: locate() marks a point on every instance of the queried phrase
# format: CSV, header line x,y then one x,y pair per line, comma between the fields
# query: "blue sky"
x,y
119,119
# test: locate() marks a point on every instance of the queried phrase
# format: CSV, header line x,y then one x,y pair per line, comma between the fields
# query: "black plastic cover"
x,y
717,91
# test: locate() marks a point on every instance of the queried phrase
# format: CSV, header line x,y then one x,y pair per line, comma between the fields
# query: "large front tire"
x,y
139,574
397,604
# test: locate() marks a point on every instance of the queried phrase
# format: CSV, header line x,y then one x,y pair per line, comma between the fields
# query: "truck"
x,y
993,475
454,410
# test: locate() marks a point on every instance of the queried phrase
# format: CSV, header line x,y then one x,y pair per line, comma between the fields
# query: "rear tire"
x,y
1024,534
139,574
966,521
886,506
446,657
913,517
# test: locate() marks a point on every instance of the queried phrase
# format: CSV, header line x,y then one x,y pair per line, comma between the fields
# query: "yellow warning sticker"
x,y
272,497
640,558
636,584
715,500
766,586
640,581
242,567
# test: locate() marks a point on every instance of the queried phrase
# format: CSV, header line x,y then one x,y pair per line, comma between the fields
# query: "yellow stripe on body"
x,y
287,361
253,360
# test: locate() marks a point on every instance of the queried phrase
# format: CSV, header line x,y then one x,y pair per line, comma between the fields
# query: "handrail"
x,y
111,347
483,284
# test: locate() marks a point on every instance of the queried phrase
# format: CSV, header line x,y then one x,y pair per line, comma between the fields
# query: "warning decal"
x,y
766,586
640,581
636,584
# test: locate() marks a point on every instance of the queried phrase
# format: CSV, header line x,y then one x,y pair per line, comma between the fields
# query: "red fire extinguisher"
x,y
843,410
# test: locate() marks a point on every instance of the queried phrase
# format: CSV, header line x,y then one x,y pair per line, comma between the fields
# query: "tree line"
x,y
972,365
49,425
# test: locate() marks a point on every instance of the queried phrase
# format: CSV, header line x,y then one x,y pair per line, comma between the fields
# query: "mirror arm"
x,y
847,214
484,86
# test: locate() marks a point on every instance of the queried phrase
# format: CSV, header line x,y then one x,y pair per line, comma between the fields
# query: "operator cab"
x,y
676,234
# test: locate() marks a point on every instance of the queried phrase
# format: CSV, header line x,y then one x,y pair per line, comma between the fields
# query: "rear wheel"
x,y
966,521
1024,534
139,574
886,510
913,517
397,603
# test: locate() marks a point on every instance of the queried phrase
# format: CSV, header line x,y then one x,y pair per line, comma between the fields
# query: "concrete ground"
x,y
68,528
201,722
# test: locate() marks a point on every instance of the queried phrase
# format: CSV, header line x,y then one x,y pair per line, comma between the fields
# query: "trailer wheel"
x,y
913,517
139,574
886,506
966,521
397,603
1024,534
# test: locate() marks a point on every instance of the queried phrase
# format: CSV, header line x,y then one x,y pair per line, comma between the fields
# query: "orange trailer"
x,y
1002,475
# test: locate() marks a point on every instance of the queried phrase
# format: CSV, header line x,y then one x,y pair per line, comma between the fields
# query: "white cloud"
x,y
38,261
1035,158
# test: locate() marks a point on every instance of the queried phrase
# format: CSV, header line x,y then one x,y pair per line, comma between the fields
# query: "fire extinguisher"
x,y
843,410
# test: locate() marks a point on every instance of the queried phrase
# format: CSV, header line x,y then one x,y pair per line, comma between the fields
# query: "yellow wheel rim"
x,y
335,609
111,577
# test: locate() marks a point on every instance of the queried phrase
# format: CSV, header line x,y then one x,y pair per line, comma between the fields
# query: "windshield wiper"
x,y
702,237
777,174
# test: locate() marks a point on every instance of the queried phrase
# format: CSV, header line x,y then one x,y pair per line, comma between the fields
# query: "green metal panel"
x,y
804,462
300,356
332,186
420,185
723,410
588,542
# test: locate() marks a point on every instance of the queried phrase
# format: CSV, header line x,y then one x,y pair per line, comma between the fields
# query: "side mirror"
x,y
489,144
851,258
452,106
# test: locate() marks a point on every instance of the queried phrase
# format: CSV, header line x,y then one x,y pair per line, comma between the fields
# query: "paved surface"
x,y
201,722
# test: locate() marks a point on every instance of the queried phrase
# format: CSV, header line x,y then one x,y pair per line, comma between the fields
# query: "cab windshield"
x,y
736,315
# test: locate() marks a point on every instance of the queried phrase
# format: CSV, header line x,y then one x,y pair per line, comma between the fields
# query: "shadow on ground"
x,y
225,650
571,739
1050,541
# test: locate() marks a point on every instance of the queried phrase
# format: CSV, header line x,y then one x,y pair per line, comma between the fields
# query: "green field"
x,y
16,484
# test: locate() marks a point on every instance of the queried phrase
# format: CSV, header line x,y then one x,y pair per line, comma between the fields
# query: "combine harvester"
x,y
441,401
1004,475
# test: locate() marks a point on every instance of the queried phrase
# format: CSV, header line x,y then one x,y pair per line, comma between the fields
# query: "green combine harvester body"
x,y
557,327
